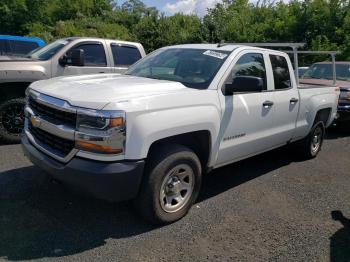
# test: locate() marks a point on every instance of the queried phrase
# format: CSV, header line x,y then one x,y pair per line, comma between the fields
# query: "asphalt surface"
x,y
273,207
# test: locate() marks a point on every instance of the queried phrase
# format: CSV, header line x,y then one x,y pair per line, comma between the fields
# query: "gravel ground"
x,y
272,207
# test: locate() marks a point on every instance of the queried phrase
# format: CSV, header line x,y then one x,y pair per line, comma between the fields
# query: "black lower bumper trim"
x,y
115,181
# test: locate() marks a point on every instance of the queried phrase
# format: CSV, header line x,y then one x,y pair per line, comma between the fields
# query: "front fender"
x,y
143,129
13,72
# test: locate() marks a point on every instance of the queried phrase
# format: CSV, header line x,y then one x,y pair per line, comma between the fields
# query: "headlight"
x,y
100,131
99,120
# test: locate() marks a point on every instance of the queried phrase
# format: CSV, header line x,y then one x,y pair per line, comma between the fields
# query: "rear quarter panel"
x,y
312,100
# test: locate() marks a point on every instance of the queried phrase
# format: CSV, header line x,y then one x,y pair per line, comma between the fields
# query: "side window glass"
x,y
251,64
3,47
94,54
125,56
22,47
281,74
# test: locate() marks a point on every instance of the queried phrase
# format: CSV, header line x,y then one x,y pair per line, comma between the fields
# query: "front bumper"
x,y
112,181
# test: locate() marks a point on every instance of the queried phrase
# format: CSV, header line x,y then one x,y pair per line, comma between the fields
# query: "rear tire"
x,y
310,146
12,119
171,184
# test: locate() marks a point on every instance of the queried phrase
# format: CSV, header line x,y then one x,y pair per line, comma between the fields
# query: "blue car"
x,y
18,45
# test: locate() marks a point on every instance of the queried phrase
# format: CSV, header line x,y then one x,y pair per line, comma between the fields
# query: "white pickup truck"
x,y
180,112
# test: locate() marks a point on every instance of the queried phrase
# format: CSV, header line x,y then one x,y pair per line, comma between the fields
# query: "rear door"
x,y
95,59
286,98
248,116
124,56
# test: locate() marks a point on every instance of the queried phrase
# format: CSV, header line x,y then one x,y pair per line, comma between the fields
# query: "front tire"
x,y
12,119
171,184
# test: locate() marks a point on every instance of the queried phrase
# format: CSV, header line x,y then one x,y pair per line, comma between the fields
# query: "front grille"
x,y
61,145
55,116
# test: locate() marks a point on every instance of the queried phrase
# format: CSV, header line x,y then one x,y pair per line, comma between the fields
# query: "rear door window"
x,y
124,56
22,47
281,74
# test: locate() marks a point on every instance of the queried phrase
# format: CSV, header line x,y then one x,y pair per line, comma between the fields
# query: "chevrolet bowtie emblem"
x,y
35,121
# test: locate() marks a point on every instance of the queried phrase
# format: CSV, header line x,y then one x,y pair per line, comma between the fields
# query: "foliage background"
x,y
322,24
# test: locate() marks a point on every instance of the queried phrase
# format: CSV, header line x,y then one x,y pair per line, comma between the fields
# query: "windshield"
x,y
48,51
325,71
194,68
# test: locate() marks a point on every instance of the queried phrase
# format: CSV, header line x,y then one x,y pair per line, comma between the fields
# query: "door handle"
x,y
101,72
267,104
294,100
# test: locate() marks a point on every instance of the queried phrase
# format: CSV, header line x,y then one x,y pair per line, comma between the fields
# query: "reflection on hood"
x,y
14,58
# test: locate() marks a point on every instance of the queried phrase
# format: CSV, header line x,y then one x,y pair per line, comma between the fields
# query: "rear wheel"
x,y
171,185
12,119
311,145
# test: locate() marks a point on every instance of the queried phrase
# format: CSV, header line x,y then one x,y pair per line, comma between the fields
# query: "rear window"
x,y
21,47
325,71
281,73
125,56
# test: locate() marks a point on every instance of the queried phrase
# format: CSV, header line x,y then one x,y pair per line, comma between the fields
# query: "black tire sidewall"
x,y
150,193
169,217
4,134
315,153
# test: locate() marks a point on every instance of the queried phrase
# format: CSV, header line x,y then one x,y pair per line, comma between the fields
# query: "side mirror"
x,y
246,84
73,58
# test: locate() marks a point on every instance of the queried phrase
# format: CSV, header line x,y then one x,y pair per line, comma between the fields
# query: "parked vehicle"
x,y
302,70
150,134
69,56
322,74
18,45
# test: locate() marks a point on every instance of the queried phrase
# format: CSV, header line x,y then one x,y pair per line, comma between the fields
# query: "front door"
x,y
248,116
95,61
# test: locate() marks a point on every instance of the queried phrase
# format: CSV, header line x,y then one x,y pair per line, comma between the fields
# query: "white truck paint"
x,y
239,125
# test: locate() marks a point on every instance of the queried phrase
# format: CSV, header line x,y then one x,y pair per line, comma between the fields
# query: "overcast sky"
x,y
171,7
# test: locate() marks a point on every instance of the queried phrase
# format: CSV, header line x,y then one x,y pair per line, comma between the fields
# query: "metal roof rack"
x,y
295,52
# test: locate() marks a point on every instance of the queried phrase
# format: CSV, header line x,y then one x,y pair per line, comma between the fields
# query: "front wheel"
x,y
12,119
171,185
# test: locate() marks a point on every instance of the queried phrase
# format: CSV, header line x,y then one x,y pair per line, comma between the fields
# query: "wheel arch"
x,y
200,142
323,115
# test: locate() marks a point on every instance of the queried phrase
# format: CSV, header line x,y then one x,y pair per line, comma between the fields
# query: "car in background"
x,y
302,70
322,74
68,56
18,45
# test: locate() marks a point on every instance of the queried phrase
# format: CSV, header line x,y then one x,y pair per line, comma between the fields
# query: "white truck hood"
x,y
96,91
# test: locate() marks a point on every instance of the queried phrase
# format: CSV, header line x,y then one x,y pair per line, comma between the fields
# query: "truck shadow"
x,y
39,218
340,241
233,175
338,131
